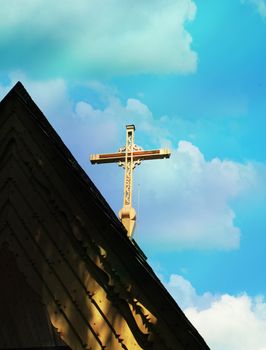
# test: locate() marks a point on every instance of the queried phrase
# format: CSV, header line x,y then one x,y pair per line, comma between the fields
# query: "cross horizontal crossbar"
x,y
137,155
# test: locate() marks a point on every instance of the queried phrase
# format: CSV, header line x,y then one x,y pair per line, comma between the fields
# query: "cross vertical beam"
x,y
128,157
128,214
129,165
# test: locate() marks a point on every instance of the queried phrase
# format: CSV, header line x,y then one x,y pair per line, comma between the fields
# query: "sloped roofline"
x,y
139,268
36,114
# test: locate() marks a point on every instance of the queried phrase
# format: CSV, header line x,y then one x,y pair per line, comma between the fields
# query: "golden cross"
x,y
128,157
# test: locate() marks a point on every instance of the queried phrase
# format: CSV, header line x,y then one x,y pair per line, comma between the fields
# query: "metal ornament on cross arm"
x,y
129,157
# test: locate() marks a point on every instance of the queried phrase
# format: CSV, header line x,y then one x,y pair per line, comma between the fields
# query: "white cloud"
x,y
232,323
259,5
50,95
225,321
185,294
196,195
98,37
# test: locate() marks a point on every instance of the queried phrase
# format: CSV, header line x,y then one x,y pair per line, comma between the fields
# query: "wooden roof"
x,y
24,319
73,253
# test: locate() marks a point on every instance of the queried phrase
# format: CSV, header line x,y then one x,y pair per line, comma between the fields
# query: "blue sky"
x,y
191,76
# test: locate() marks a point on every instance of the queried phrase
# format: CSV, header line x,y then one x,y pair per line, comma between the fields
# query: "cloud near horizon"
x,y
85,38
187,201
226,322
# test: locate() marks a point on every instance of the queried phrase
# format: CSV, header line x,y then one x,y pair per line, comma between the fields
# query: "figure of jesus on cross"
x,y
128,157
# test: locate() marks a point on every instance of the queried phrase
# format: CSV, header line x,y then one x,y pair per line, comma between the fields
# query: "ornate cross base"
x,y
128,217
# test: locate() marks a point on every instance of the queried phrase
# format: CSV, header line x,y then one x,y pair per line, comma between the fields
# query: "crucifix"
x,y
128,157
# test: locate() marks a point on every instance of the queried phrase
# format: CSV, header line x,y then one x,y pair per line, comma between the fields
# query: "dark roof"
x,y
69,243
23,318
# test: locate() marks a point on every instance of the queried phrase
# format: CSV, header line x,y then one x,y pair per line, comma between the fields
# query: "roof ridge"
x,y
20,89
